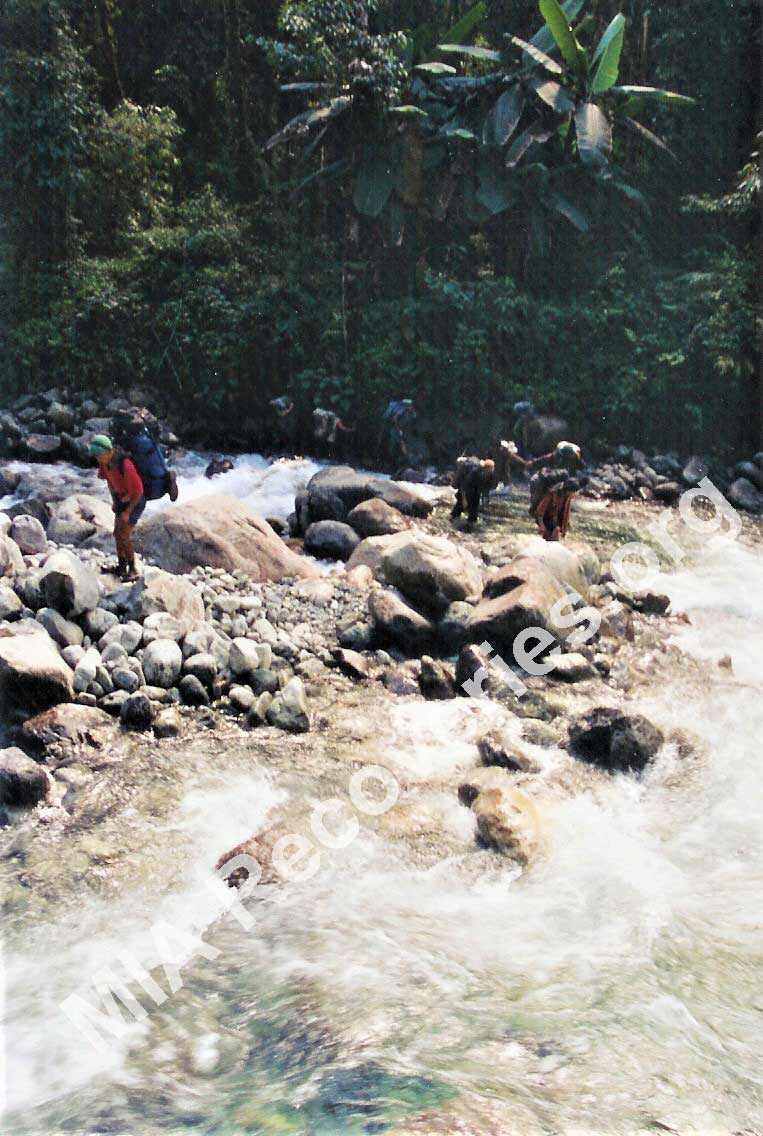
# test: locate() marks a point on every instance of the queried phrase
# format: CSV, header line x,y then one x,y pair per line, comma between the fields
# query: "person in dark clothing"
x,y
127,499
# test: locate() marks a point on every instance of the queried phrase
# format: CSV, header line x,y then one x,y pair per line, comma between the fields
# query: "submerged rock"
x,y
22,781
508,821
615,741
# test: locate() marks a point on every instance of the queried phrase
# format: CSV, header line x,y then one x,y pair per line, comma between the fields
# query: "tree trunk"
x,y
242,143
112,91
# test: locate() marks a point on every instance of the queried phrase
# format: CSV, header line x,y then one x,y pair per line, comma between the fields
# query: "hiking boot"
x,y
129,574
114,569
172,481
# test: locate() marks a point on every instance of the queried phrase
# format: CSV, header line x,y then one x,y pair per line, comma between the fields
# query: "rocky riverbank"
x,y
106,688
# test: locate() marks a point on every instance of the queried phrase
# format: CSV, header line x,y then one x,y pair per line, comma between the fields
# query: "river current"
x,y
615,987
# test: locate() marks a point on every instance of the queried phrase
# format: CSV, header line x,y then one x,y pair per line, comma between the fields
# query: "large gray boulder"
x,y
433,572
22,781
68,585
615,741
331,540
527,604
377,518
335,491
33,676
80,517
222,532
397,624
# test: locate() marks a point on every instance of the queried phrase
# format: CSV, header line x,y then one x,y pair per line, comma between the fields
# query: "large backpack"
x,y
137,431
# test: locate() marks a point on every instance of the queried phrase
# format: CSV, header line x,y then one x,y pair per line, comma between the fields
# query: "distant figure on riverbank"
x,y
399,441
218,466
284,422
476,478
128,499
565,455
552,492
327,427
535,433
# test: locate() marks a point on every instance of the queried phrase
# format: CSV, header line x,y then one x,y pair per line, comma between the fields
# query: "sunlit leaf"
x,y
537,55
554,95
608,54
470,51
559,24
594,135
504,117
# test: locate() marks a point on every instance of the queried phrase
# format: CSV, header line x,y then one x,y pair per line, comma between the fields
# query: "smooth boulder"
x,y
68,585
397,624
508,822
79,517
744,495
22,781
162,663
29,534
221,532
433,572
331,540
377,518
617,742
288,710
33,676
161,593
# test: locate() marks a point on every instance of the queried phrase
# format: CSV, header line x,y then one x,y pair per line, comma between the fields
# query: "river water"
x,y
612,988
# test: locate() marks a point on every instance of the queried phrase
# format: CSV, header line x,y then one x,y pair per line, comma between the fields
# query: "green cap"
x,y
100,444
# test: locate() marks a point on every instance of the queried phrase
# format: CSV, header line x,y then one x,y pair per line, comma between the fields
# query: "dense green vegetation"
x,y
226,199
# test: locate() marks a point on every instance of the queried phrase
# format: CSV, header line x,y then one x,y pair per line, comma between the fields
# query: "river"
x,y
612,988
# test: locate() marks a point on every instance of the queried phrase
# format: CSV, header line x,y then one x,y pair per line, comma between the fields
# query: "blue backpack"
x,y
150,463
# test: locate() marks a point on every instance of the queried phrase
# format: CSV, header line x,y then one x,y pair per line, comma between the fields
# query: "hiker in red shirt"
x,y
127,497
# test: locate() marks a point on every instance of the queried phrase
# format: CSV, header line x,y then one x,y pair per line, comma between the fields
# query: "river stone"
x,y
257,715
505,753
528,605
668,492
615,741
331,540
222,532
168,723
84,672
5,520
114,653
264,681
744,495
436,680
73,655
161,593
472,672
204,667
351,662
11,606
127,635
574,564
508,821
432,572
399,625
42,447
163,626
573,668
192,691
376,518
125,679
136,711
370,553
33,676
452,628
29,534
97,622
61,631
11,559
162,663
22,781
241,698
68,585
70,725
289,710
79,517
243,656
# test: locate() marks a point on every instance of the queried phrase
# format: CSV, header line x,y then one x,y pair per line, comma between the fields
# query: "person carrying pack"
x,y
137,431
128,499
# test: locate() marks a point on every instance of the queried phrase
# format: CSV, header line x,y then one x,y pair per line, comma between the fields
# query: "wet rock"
x,y
399,625
376,518
615,741
479,780
162,663
204,667
744,495
508,821
62,631
573,668
68,586
29,534
33,676
538,733
507,753
472,671
331,540
432,572
289,710
11,606
168,724
136,711
69,725
79,517
22,781
219,531
351,662
192,691
264,681
650,603
436,680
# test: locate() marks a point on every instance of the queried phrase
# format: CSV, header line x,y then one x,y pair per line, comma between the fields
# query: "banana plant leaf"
x,y
544,39
519,147
309,118
373,183
594,135
495,191
559,25
562,205
467,23
653,93
553,94
504,117
536,55
305,86
407,112
470,51
436,69
653,139
327,173
608,55
461,133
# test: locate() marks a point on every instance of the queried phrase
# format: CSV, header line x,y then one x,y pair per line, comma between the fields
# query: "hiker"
x,y
535,433
566,455
128,499
218,466
326,427
507,462
474,477
552,511
137,432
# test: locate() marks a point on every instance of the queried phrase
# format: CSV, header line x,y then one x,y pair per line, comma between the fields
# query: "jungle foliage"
x,y
467,203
